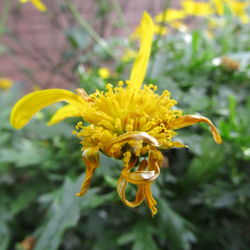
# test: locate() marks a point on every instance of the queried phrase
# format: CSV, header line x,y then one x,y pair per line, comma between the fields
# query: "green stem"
x,y
158,37
101,42
4,16
119,12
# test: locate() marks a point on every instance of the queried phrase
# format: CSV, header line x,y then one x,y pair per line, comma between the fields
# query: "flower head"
x,y
104,73
127,122
5,83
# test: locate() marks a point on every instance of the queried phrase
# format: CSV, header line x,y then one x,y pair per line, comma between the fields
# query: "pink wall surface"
x,y
37,40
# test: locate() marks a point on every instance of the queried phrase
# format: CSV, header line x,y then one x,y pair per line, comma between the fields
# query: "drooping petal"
x,y
141,176
188,120
30,104
63,113
151,202
140,65
121,190
91,159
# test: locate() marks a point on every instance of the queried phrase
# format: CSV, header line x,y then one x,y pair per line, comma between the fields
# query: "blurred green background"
x,y
203,59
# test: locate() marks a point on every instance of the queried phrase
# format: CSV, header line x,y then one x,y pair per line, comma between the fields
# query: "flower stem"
x,y
101,42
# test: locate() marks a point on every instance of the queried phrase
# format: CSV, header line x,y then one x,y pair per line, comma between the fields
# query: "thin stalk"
x,y
101,42
119,12
158,37
4,16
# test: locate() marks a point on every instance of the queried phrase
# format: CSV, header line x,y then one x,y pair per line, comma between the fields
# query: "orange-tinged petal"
x,y
188,120
66,111
121,190
140,65
30,104
91,159
141,176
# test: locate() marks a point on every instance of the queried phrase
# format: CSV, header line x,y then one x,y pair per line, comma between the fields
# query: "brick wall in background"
x,y
37,41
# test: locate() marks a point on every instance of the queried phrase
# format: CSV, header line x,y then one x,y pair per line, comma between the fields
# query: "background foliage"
x,y
203,197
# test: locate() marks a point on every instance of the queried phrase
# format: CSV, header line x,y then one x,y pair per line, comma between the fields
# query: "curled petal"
x,y
121,190
132,136
151,202
91,159
140,176
63,113
140,65
30,104
188,120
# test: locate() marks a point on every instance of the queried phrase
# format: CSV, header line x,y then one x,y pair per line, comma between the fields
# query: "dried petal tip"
x,y
188,120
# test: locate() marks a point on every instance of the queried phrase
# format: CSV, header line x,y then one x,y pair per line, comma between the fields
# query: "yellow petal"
x,y
39,5
219,6
140,65
188,120
30,104
170,15
91,159
63,113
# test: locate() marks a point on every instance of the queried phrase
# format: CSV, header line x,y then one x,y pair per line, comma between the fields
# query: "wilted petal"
x,y
151,202
91,159
188,120
141,176
121,190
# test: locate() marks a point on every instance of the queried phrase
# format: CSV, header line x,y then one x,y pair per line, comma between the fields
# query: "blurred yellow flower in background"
x,y
170,15
238,8
129,121
193,8
104,73
5,83
37,3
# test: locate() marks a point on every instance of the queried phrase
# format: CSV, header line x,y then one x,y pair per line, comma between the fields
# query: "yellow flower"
x,y
238,8
170,15
104,73
37,3
193,8
127,122
5,83
219,6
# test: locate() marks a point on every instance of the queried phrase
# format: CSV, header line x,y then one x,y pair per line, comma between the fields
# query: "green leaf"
x,y
177,231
